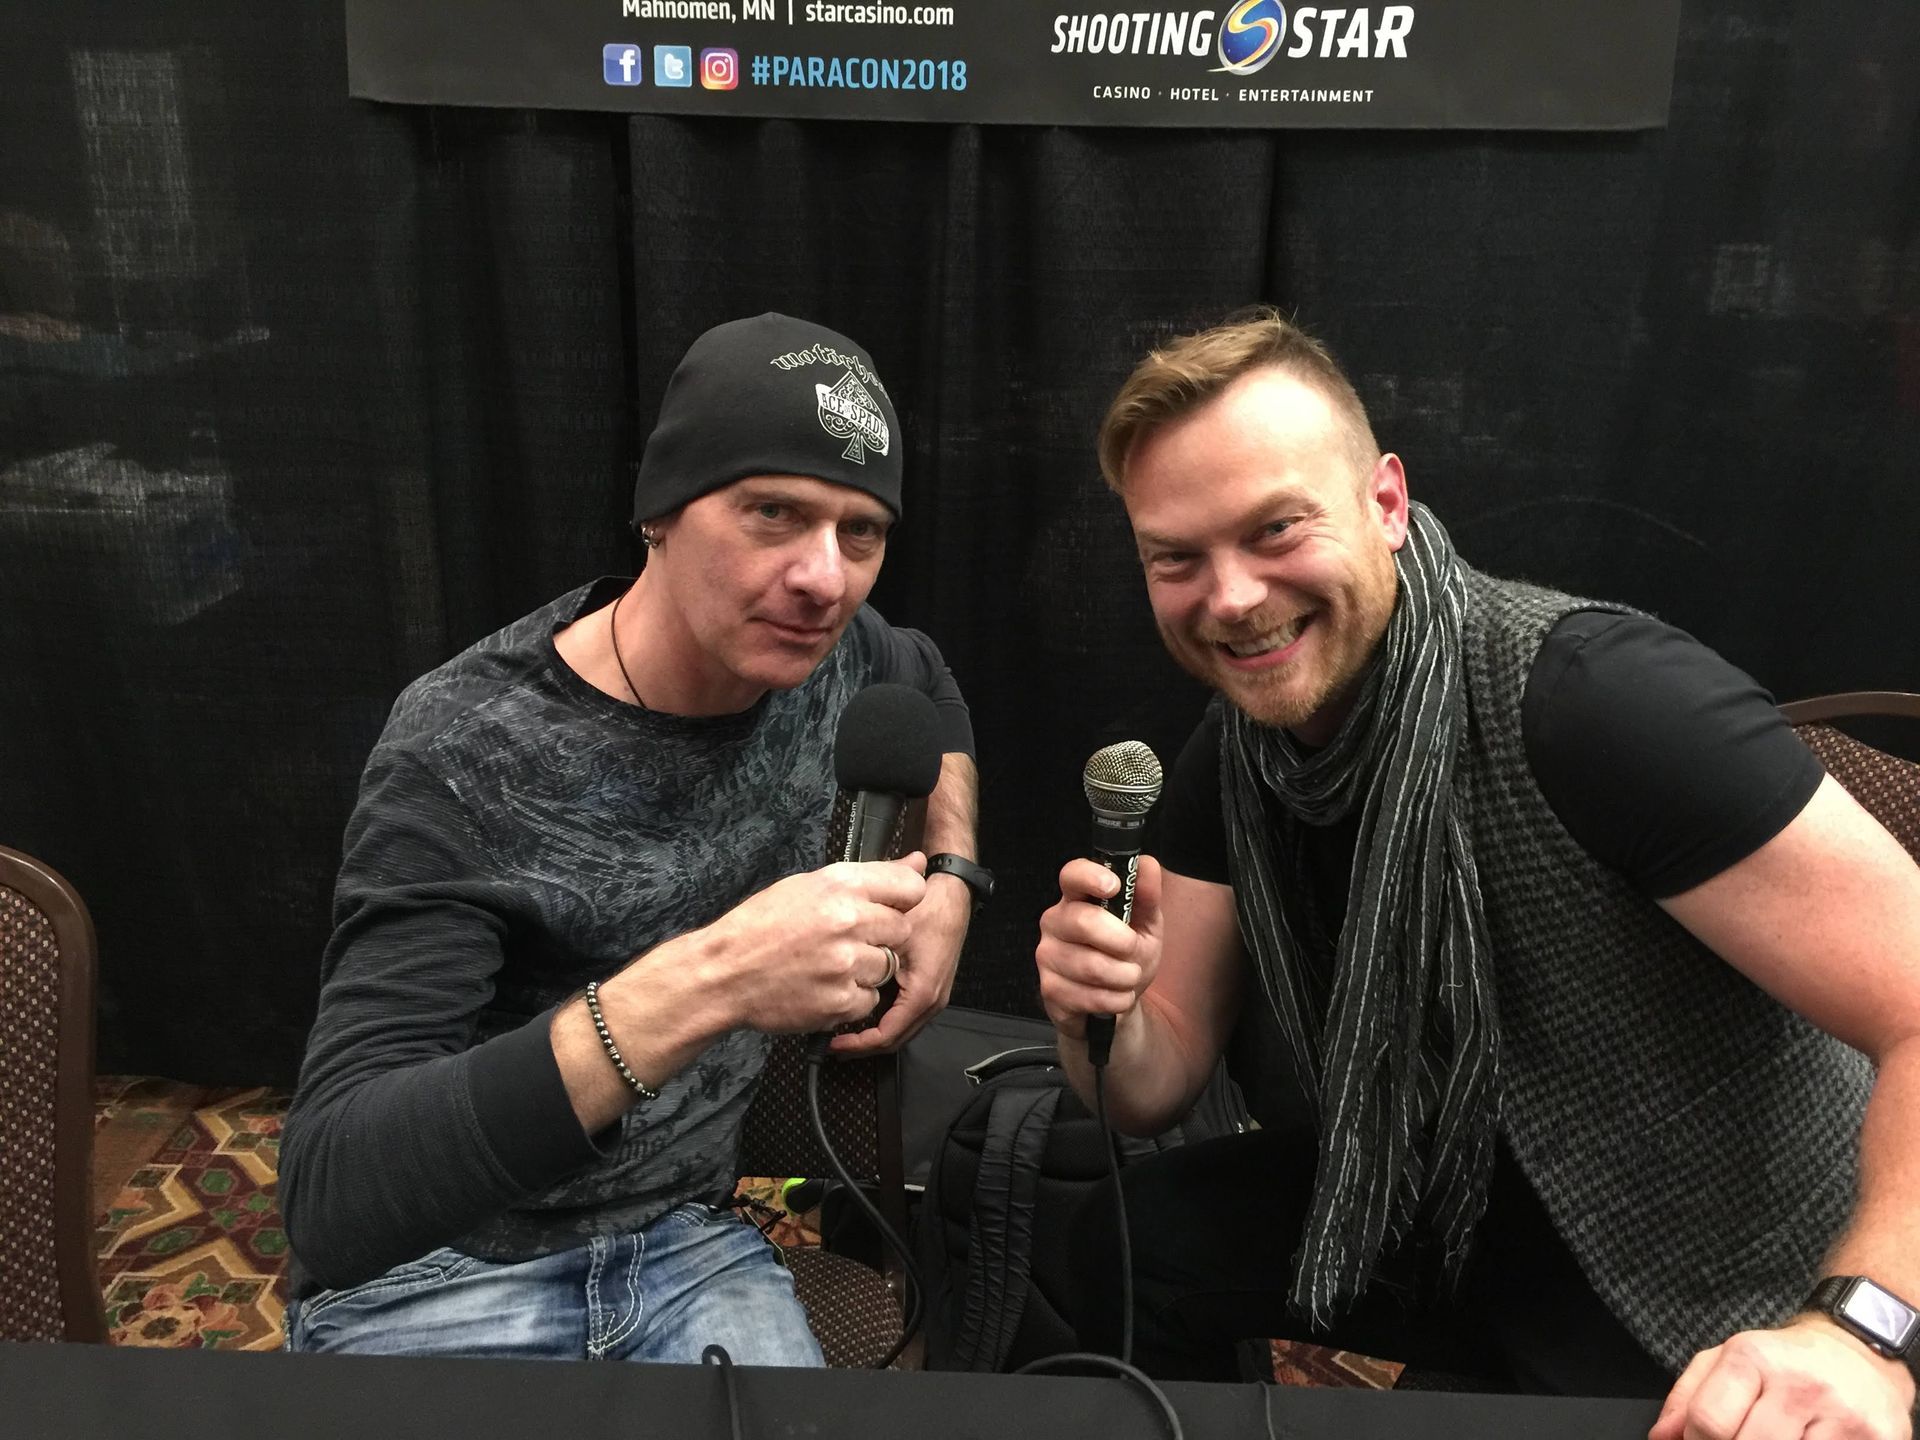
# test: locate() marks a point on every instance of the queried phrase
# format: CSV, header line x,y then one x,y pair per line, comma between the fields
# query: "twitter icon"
x,y
673,65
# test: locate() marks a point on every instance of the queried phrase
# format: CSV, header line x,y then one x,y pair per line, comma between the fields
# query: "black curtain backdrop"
x,y
302,395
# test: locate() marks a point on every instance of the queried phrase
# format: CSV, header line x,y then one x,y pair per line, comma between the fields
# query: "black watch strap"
x,y
1829,1298
975,877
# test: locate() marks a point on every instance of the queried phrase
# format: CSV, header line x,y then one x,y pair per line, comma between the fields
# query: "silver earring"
x,y
650,538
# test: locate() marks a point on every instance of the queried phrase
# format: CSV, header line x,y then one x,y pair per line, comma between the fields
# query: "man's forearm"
x,y
1186,983
1152,1075
953,808
1883,1239
664,1011
949,829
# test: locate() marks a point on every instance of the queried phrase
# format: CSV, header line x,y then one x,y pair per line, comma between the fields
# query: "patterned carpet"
x,y
191,1252
190,1248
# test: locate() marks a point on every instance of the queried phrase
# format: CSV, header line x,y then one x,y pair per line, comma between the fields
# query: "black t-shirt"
x,y
1664,762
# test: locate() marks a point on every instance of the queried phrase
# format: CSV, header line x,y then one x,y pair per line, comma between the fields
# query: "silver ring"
x,y
893,967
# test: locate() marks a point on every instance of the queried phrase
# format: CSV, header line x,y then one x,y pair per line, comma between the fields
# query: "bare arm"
x,y
805,954
1826,918
953,810
1172,980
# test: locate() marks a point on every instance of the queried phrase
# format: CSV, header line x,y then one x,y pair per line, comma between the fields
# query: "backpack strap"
x,y
1000,1232
1006,1062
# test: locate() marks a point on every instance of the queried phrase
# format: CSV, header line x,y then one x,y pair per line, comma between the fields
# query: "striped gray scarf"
x,y
1399,1043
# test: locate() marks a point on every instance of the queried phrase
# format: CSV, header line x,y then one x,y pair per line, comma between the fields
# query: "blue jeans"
x,y
697,1276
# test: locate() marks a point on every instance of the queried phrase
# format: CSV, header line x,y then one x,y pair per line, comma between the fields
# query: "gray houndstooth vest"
x,y
1695,1141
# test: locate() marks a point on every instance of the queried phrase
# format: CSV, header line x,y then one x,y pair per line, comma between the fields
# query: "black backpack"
x,y
991,1237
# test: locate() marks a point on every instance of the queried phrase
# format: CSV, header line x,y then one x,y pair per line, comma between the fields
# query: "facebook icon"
x,y
621,64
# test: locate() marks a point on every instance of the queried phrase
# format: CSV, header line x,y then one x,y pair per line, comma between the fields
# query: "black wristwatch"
x,y
1882,1319
976,878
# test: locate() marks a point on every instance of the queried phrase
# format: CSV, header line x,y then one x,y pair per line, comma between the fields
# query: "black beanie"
x,y
770,396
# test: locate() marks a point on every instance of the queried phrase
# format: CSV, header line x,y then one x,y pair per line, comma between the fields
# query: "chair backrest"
x,y
49,1288
1887,787
859,1109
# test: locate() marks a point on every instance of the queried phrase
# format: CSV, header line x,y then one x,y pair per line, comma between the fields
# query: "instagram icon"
x,y
719,69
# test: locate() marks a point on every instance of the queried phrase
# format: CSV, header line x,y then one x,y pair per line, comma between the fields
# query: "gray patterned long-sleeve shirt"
x,y
519,833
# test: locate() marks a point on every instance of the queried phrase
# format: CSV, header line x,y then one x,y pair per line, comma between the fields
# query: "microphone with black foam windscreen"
x,y
1122,782
885,754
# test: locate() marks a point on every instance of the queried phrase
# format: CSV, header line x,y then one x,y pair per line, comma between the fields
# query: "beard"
x,y
1321,682
1286,696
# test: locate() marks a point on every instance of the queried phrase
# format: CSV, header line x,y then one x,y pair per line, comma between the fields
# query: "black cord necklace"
x,y
613,634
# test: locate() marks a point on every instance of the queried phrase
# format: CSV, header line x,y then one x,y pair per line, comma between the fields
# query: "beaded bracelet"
x,y
634,1083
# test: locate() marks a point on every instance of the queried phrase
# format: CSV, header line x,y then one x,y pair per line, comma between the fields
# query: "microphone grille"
x,y
1122,779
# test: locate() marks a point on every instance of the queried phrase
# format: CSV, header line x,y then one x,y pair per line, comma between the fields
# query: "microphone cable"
x,y
1123,1366
717,1355
916,1308
1111,1144
1095,1361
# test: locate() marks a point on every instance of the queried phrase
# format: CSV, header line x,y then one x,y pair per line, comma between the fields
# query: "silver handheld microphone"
x,y
1122,782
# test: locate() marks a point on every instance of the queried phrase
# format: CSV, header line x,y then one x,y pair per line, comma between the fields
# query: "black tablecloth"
x,y
99,1393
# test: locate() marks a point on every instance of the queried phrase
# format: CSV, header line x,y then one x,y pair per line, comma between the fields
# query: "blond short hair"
x,y
1183,375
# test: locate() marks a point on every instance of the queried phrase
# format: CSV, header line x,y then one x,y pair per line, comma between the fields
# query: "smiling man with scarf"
x,y
1581,1011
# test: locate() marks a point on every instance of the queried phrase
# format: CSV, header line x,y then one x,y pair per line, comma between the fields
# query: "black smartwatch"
x,y
1888,1324
976,878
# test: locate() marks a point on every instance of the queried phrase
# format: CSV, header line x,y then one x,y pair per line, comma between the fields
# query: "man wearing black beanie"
x,y
580,890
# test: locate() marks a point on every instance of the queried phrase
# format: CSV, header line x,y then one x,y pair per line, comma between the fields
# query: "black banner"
x,y
1480,64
